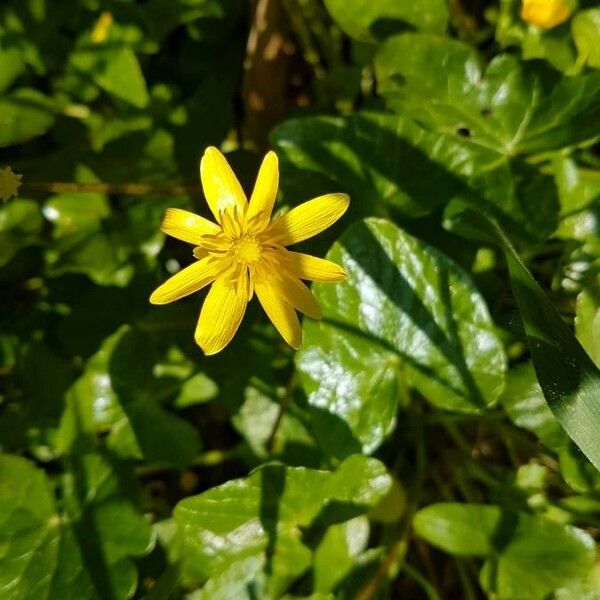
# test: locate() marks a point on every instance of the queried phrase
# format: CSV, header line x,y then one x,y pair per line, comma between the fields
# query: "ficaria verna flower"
x,y
244,252
545,13
9,183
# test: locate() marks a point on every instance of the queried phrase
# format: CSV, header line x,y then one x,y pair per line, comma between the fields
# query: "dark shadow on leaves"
x,y
336,439
85,528
271,491
397,288
422,183
385,27
384,344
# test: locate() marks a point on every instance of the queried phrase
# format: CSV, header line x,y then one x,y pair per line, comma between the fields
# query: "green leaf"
x,y
523,400
511,107
198,389
338,552
86,554
541,556
528,557
20,223
577,471
567,375
29,521
587,321
261,516
114,67
380,158
114,395
372,21
406,311
243,580
162,16
24,114
579,190
586,31
87,240
11,66
256,420
459,529
375,157
77,213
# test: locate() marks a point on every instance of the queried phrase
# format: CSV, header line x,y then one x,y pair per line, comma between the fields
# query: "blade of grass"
x,y
568,377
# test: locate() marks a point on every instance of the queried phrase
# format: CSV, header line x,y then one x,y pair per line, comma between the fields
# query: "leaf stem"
x,y
429,590
400,545
283,406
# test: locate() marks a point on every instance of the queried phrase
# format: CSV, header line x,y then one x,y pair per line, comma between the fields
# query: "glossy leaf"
x,y
114,396
86,554
406,312
509,108
579,189
262,516
374,157
291,442
523,400
338,552
381,159
567,375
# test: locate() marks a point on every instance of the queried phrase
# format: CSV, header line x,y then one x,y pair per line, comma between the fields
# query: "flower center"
x,y
247,249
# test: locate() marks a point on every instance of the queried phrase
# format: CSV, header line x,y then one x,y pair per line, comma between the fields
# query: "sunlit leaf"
x,y
406,312
528,557
567,375
510,108
81,553
262,516
114,396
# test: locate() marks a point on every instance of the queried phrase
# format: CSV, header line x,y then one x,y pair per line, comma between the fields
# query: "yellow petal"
x,y
305,266
282,314
308,219
221,187
295,293
545,13
265,191
187,281
221,314
187,226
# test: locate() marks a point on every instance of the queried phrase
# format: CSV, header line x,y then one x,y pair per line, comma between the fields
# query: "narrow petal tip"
x,y
207,350
344,201
155,298
211,150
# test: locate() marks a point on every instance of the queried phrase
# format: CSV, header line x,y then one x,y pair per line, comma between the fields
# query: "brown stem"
x,y
372,587
132,189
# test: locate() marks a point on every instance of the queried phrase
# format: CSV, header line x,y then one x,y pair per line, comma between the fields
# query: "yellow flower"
x,y
9,183
244,252
545,13
101,28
